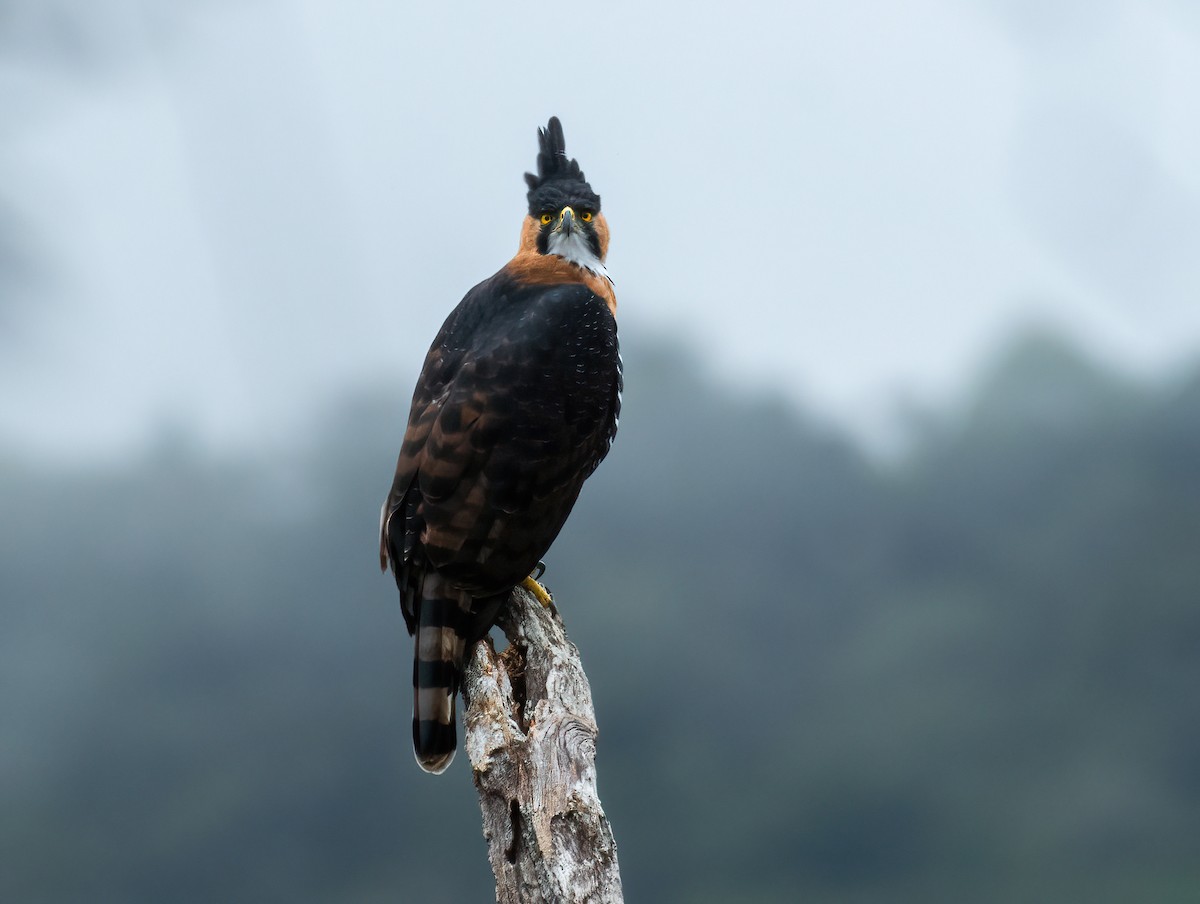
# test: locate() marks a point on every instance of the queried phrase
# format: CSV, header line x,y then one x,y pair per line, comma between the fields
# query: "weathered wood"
x,y
531,739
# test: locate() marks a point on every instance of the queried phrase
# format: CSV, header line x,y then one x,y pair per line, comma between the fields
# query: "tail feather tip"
x,y
434,744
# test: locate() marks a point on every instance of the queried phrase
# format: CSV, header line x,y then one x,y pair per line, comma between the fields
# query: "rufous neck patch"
x,y
530,267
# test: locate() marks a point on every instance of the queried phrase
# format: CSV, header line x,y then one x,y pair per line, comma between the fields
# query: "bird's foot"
x,y
540,593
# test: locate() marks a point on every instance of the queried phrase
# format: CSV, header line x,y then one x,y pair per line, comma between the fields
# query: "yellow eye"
x,y
586,216
546,218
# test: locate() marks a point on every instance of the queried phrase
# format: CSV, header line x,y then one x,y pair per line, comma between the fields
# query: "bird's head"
x,y
564,213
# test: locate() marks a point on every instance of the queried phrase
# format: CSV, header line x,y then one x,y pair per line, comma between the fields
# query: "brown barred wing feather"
x,y
516,406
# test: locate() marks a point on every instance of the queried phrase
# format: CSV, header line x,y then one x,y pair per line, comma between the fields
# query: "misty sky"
x,y
218,215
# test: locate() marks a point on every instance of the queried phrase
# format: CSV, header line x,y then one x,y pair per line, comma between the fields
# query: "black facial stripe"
x,y
588,230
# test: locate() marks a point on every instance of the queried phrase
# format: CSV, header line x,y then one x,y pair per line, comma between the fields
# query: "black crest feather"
x,y
557,175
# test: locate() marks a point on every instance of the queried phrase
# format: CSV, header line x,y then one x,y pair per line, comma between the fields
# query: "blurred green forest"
x,y
969,675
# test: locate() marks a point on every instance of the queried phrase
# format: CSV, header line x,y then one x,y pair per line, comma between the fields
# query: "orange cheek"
x,y
602,234
529,234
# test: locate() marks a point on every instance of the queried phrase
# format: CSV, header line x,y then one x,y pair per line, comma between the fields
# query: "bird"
x,y
517,404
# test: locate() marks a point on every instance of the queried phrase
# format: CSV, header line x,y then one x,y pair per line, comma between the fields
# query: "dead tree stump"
x,y
531,738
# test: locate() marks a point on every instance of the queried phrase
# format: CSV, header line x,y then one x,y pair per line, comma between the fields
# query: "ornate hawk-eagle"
x,y
515,407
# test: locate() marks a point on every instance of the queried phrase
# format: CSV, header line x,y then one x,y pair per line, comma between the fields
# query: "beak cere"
x,y
566,221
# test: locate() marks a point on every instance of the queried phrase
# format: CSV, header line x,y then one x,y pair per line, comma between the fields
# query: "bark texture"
x,y
531,738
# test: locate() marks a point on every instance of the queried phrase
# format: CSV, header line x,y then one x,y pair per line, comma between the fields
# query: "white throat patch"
x,y
575,249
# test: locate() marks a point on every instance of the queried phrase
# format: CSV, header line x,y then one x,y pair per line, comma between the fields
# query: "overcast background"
x,y
225,209
888,590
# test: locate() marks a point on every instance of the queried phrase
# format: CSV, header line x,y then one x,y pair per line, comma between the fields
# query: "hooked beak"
x,y
566,222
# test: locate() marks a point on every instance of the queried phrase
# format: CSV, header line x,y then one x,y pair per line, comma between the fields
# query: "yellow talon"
x,y
540,593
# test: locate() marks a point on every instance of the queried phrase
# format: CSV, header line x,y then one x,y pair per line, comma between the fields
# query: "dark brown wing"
x,y
516,406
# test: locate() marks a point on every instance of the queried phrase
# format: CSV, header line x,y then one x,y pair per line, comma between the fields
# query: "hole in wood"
x,y
514,818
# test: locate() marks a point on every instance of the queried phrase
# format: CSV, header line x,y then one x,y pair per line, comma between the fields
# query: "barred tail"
x,y
442,622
